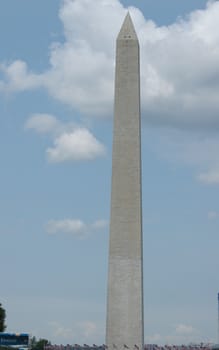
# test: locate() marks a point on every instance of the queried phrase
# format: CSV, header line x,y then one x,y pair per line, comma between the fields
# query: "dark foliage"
x,y
2,319
38,344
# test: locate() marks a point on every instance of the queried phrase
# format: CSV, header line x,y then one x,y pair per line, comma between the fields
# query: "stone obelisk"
x,y
124,327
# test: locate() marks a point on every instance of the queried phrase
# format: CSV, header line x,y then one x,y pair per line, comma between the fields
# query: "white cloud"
x,y
79,144
184,329
187,61
179,64
180,334
99,224
211,177
18,77
179,78
71,142
43,123
197,150
60,331
153,339
87,330
213,215
74,227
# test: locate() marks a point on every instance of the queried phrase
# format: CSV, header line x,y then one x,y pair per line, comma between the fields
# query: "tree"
x,y
2,318
39,344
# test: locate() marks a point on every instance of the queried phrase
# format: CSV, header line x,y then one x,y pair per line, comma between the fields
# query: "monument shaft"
x,y
125,276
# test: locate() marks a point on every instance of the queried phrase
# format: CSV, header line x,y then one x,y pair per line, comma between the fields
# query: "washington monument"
x,y
124,328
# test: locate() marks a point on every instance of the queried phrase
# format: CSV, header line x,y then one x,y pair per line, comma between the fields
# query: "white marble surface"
x,y
125,281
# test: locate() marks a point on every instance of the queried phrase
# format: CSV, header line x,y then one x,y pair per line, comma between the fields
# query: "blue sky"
x,y
56,107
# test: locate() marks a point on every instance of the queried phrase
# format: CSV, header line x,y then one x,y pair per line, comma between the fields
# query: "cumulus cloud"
x,y
74,227
179,79
43,123
184,57
79,144
71,142
196,150
18,78
179,64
